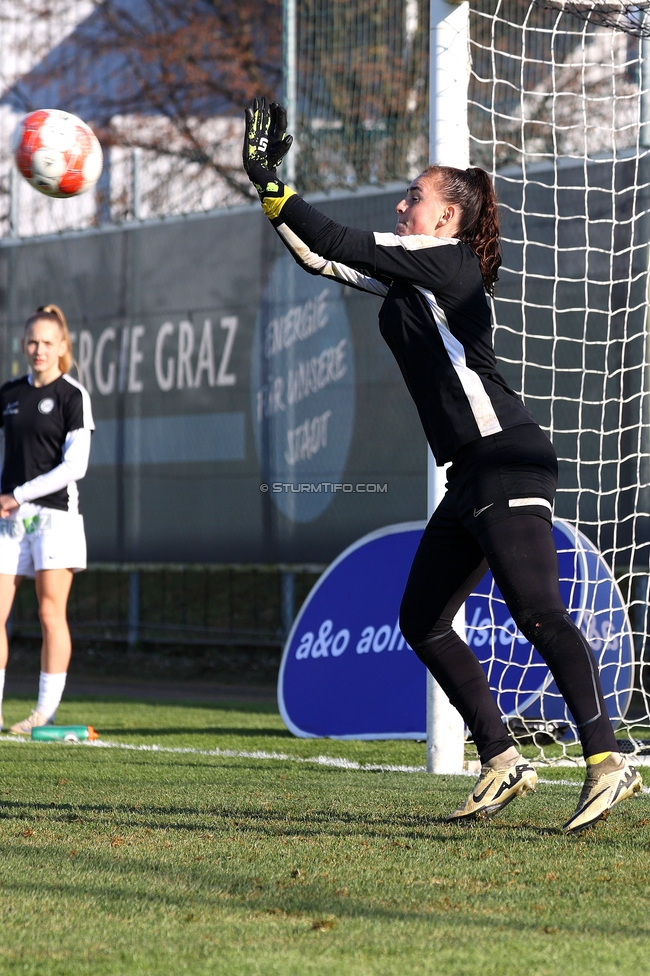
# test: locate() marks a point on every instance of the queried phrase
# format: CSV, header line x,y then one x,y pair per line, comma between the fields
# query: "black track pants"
x,y
516,542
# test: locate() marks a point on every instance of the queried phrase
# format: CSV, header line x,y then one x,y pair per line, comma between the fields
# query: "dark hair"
x,y
52,313
471,190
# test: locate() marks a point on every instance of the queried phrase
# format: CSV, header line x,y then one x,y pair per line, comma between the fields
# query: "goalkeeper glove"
x,y
256,138
279,142
265,146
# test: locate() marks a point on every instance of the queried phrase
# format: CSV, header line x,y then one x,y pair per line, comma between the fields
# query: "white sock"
x,y
506,758
3,671
50,692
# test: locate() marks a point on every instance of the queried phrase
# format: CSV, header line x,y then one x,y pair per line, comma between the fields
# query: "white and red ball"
x,y
57,153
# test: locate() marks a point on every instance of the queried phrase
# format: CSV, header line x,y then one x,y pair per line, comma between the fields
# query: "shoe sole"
x,y
487,812
630,792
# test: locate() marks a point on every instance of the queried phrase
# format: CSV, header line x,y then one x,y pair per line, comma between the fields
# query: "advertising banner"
x,y
347,671
246,411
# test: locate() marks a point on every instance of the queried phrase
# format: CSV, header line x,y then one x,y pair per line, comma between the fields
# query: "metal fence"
x,y
181,605
164,84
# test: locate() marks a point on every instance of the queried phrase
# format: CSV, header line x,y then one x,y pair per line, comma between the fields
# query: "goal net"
x,y
559,115
559,109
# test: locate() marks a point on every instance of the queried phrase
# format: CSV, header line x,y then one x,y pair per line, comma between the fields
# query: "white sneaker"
x,y
606,784
495,789
35,720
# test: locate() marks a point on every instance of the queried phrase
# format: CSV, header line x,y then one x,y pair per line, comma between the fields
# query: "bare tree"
x,y
156,74
171,78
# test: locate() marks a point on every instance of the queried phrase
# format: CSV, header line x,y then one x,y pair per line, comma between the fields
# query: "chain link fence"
x,y
177,605
164,83
362,92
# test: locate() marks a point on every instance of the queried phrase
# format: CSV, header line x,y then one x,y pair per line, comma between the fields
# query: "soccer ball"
x,y
57,153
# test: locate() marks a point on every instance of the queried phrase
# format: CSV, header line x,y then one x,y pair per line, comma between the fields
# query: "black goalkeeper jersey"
x,y
435,318
36,421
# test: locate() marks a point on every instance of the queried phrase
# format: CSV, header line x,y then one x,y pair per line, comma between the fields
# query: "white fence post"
x,y
448,145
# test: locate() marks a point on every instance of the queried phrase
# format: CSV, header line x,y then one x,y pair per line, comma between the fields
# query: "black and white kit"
x,y
502,479
47,432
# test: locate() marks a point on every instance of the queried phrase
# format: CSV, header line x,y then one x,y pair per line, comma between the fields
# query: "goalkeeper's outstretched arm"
x,y
265,126
360,258
316,264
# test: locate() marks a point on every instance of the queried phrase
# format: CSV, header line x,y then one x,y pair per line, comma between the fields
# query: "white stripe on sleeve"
x,y
355,278
88,421
412,242
330,269
472,384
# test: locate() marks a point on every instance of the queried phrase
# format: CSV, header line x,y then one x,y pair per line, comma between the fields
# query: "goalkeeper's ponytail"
x,y
471,190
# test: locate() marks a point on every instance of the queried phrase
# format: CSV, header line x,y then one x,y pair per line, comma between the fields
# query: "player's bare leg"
x,y
8,586
52,591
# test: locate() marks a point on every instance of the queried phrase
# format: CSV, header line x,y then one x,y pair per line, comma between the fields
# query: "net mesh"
x,y
558,110
362,91
616,14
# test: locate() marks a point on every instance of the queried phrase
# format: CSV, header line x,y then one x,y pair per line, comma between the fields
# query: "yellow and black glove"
x,y
265,146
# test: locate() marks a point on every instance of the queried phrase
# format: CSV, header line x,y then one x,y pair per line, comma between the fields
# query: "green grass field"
x,y
117,861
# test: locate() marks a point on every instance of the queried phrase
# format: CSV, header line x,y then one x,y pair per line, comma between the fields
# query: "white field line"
x,y
259,754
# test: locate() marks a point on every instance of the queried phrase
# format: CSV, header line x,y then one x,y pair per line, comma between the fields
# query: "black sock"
x,y
571,662
458,672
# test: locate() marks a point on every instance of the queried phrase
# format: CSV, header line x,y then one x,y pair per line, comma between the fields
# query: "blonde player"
x,y
47,422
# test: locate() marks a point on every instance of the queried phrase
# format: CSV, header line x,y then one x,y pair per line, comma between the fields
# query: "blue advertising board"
x,y
347,671
519,678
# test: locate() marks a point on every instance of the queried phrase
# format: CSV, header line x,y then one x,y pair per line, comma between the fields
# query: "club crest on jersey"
x,y
46,405
10,409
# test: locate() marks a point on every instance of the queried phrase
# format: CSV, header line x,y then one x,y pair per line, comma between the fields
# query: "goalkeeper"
x,y
433,274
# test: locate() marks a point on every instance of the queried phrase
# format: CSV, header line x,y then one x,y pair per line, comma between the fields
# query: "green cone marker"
x,y
64,733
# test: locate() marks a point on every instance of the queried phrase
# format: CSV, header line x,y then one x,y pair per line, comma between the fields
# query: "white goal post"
x,y
448,145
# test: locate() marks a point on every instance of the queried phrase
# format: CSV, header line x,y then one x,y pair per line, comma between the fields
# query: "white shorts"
x,y
43,539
